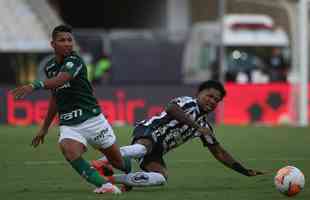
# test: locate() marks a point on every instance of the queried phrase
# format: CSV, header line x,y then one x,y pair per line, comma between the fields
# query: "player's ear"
x,y
52,43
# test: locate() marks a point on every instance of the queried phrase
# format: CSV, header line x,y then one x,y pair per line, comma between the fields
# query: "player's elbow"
x,y
171,109
54,84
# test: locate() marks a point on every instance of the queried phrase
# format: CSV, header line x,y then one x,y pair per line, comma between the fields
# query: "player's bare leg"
x,y
112,156
115,158
73,151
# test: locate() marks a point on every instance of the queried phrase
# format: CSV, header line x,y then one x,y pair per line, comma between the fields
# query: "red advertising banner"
x,y
244,104
262,103
121,104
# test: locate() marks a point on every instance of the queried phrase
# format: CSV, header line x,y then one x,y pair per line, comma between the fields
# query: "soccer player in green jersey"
x,y
81,121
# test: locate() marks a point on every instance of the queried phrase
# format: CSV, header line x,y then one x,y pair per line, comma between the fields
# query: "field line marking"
x,y
46,162
59,162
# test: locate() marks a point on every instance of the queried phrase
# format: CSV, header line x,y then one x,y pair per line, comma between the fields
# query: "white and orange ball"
x,y
289,180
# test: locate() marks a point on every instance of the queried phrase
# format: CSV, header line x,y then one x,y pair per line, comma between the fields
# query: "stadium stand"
x,y
25,29
46,14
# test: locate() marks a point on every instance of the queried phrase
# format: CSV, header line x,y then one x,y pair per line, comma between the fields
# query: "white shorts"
x,y
95,131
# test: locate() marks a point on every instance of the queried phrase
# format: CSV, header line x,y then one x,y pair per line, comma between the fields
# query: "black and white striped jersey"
x,y
170,133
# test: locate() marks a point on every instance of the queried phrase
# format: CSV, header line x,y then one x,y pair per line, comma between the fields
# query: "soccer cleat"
x,y
103,167
108,188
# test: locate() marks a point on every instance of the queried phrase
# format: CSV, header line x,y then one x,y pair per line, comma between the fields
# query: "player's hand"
x,y
22,91
39,138
252,172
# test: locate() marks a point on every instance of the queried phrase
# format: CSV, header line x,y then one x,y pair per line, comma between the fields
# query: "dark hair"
x,y
212,84
61,28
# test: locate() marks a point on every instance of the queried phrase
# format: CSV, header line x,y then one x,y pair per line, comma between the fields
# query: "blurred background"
x,y
140,54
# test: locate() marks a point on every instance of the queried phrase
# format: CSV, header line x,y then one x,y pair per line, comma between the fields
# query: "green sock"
x,y
87,172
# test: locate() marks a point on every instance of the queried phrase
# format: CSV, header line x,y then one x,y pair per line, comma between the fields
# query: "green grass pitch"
x,y
43,174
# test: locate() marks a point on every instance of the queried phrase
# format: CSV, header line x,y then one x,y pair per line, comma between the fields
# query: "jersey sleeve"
x,y
47,76
208,140
185,102
72,65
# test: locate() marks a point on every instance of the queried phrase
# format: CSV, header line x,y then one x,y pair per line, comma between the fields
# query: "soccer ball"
x,y
289,180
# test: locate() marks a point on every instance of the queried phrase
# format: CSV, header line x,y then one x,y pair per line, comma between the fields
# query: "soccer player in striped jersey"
x,y
184,118
80,118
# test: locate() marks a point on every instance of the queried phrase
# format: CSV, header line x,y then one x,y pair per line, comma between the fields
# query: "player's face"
x,y
63,44
208,99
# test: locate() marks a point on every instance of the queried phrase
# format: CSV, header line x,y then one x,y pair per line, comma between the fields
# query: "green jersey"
x,y
75,100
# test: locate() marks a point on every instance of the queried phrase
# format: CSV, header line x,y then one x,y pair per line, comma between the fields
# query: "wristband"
x,y
239,168
37,84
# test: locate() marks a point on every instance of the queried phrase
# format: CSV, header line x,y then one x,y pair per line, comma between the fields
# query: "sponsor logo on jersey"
x,y
66,85
101,134
69,65
70,115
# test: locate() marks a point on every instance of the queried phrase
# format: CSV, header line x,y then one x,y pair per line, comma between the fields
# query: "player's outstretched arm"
x,y
51,113
53,83
22,91
224,157
176,112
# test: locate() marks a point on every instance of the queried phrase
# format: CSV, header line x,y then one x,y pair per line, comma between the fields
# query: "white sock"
x,y
132,151
140,179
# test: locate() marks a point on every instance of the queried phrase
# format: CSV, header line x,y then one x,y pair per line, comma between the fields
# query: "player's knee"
x,y
147,143
71,155
70,152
